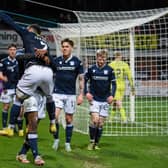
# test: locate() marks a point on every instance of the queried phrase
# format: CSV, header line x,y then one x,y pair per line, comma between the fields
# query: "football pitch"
x,y
115,152
151,118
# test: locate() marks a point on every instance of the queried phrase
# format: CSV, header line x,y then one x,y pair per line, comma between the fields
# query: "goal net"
x,y
142,37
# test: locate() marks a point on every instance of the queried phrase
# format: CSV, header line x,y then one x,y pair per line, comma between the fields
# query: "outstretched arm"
x,y
10,22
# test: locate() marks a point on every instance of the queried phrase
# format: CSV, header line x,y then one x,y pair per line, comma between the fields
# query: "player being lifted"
x,y
100,86
122,71
38,74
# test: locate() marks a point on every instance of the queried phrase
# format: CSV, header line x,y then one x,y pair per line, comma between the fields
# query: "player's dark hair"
x,y
12,45
36,27
68,41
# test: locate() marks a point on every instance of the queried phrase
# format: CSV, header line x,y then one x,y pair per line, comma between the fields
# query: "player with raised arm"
x,y
68,68
100,86
122,71
37,74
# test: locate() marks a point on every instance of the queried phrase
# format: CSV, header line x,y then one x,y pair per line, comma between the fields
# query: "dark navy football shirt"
x,y
100,82
9,67
66,74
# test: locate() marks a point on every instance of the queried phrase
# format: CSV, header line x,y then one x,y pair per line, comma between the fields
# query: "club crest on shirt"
x,y
105,72
72,63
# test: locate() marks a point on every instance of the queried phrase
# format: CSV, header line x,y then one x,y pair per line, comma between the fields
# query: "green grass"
x,y
151,118
116,152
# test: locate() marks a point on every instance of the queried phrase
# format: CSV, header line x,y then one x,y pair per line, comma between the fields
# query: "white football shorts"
x,y
99,107
65,102
36,76
36,103
7,96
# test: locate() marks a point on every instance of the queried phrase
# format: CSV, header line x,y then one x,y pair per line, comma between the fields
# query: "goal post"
x,y
132,67
142,37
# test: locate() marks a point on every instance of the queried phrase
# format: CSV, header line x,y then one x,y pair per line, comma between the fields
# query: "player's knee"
x,y
95,119
68,121
101,123
69,118
95,122
32,127
20,95
6,107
